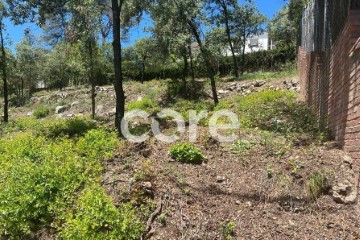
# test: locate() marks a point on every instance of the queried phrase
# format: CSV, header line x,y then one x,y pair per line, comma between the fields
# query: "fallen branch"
x,y
151,219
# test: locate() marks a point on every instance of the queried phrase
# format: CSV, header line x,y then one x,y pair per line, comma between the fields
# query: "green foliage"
x,y
96,217
145,104
186,153
70,127
274,143
242,146
40,178
41,112
228,230
183,106
287,72
97,143
316,185
276,111
270,60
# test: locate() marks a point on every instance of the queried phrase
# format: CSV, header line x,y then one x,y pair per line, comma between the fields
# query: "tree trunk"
x,y
92,80
186,65
191,64
243,53
143,70
205,54
228,34
22,88
6,96
118,81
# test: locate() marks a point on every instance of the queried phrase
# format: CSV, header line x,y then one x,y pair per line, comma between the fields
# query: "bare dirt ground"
x,y
198,200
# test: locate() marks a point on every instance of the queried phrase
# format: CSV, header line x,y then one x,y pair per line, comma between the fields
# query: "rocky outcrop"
x,y
241,87
292,85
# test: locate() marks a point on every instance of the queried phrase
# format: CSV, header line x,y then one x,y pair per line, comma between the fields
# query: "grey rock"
x,y
220,179
223,91
146,185
344,189
345,193
75,104
60,109
259,83
112,112
348,159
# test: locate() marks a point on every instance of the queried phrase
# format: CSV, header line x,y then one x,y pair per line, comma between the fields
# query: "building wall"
x,y
330,83
263,45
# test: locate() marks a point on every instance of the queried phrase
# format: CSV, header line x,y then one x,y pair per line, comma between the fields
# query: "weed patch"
x,y
187,153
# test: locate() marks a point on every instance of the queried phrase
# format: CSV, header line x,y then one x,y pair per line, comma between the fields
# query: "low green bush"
x,y
242,146
145,104
228,230
41,112
40,179
183,106
96,217
316,185
186,153
71,127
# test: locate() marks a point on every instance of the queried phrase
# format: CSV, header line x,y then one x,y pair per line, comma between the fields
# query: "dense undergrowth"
x,y
50,180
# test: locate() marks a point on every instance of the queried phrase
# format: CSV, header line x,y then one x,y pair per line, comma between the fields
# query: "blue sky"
x,y
15,33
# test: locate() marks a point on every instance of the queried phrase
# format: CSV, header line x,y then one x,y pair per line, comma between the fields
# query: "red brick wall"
x,y
330,84
352,128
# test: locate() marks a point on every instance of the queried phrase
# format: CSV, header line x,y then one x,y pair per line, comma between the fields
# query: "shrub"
x,y
96,217
228,230
41,112
187,153
73,127
183,106
40,179
97,143
145,104
316,185
242,146
37,177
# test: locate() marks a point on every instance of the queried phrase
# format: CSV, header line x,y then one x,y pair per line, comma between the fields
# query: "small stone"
x,y
345,193
146,185
348,160
237,202
330,225
223,91
249,204
259,83
112,112
220,179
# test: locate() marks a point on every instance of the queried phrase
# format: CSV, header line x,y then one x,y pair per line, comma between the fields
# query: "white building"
x,y
259,43
253,44
256,43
